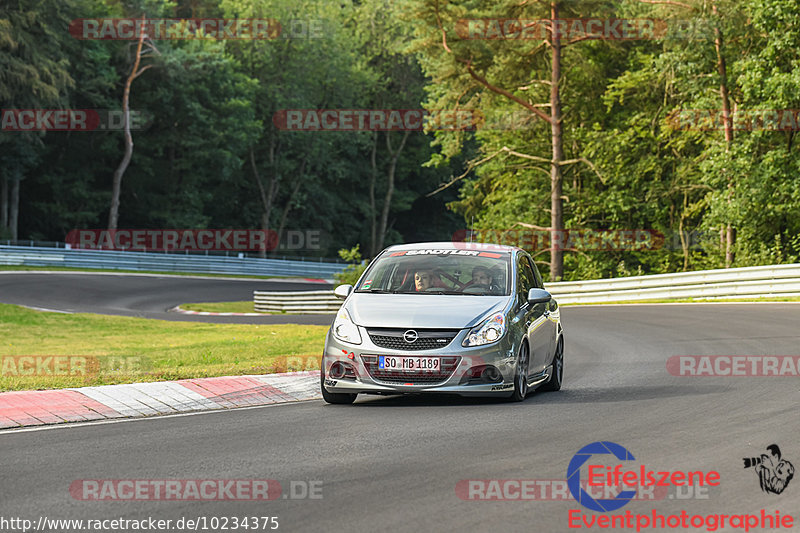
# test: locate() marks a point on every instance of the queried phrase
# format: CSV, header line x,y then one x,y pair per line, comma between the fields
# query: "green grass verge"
x,y
221,307
127,350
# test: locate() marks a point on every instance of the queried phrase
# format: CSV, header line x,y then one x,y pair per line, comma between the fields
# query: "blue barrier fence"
x,y
165,262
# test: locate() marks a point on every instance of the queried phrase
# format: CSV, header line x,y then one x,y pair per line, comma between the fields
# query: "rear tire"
x,y
557,377
334,397
521,375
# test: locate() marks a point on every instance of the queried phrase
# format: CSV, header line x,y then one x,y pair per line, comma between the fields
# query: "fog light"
x,y
491,375
337,370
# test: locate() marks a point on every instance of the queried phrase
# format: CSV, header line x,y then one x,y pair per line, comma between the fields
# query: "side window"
x,y
536,276
529,274
524,279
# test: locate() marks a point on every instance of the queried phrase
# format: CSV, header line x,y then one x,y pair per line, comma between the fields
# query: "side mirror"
x,y
538,296
343,291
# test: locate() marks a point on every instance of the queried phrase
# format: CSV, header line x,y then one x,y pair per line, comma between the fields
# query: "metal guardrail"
x,y
748,282
310,302
163,262
761,281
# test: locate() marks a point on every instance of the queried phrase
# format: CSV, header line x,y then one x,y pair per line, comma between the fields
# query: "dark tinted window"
x,y
525,279
536,276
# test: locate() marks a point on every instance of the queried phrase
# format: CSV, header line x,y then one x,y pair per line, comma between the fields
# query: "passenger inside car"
x,y
423,280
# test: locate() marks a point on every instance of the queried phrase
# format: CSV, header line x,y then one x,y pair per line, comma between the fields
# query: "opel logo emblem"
x,y
410,336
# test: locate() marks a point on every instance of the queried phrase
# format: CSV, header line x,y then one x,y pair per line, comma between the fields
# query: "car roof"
x,y
449,245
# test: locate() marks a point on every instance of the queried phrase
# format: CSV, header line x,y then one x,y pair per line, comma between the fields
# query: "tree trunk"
x,y
682,234
267,196
726,114
3,205
288,206
373,228
113,214
387,201
13,212
556,203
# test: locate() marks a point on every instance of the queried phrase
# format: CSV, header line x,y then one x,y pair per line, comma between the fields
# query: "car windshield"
x,y
432,271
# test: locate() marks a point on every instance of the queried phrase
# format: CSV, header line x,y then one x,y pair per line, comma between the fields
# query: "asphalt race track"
x,y
393,464
145,296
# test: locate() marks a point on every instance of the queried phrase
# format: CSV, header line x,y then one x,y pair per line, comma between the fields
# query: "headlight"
x,y
488,332
344,329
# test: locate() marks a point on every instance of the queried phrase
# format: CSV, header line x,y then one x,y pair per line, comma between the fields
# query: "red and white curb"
x,y
36,408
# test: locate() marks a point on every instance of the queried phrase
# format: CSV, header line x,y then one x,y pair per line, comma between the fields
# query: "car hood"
x,y
436,311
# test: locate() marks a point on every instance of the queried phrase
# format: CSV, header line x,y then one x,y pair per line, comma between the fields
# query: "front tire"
x,y
556,378
521,375
334,397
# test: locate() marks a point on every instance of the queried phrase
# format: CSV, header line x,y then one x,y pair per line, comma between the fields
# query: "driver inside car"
x,y
481,277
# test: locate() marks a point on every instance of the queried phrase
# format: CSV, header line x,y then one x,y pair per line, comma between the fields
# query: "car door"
x,y
549,329
532,317
541,330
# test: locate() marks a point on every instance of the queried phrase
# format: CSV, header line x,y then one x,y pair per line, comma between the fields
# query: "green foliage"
x,y
212,133
353,255
211,104
617,99
350,275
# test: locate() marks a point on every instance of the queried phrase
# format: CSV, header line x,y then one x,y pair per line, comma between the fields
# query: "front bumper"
x,y
501,355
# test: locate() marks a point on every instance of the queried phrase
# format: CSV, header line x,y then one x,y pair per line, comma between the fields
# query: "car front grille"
x,y
448,365
393,339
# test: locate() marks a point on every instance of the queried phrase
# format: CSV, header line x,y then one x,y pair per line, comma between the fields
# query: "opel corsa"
x,y
459,318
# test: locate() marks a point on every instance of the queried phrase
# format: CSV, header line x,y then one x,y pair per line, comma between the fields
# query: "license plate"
x,y
408,364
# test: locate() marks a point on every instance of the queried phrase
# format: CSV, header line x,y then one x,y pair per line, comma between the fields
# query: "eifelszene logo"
x,y
640,476
774,473
574,476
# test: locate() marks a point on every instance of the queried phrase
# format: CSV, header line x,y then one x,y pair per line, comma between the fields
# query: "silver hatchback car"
x,y
460,318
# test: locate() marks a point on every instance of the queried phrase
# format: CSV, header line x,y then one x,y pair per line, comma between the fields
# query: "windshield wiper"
x,y
378,291
440,292
457,293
